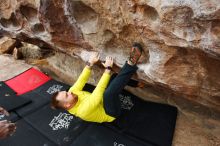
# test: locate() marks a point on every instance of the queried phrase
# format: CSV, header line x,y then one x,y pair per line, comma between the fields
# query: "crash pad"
x,y
27,81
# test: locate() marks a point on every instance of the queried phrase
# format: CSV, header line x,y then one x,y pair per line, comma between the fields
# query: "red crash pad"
x,y
27,81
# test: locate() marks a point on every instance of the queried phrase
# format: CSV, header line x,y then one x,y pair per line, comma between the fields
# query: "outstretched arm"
x,y
103,82
97,94
84,76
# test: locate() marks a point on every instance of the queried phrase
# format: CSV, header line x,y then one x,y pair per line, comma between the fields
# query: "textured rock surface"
x,y
7,45
181,39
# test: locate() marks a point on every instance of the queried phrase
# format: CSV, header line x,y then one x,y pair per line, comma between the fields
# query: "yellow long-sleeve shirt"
x,y
89,106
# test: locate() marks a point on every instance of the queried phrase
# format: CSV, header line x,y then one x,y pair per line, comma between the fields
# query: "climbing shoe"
x,y
135,53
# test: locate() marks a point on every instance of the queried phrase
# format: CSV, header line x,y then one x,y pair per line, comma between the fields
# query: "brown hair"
x,y
54,102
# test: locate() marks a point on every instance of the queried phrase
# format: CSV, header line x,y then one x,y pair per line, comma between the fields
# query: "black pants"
x,y
117,83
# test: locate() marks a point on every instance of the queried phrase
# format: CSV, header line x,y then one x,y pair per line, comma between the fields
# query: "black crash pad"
x,y
98,135
57,125
50,87
25,135
151,122
9,100
37,102
5,90
41,96
148,121
13,102
141,122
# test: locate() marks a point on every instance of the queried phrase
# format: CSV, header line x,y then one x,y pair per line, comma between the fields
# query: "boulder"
x,y
7,45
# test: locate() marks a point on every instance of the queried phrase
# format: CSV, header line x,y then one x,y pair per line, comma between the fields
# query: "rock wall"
x,y
180,38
